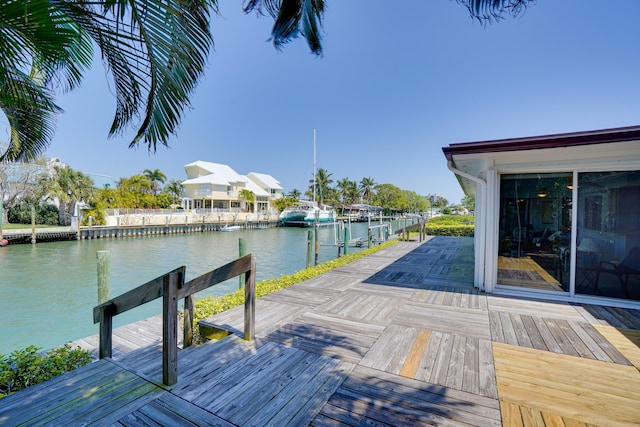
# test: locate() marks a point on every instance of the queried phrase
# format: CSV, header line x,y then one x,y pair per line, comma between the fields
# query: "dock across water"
x,y
397,338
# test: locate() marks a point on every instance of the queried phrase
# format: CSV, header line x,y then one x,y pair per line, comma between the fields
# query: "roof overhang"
x,y
574,139
473,157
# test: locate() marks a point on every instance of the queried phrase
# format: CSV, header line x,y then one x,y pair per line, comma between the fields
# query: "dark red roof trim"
x,y
545,141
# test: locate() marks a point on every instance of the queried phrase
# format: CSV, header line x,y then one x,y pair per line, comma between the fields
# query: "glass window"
x,y
535,230
608,234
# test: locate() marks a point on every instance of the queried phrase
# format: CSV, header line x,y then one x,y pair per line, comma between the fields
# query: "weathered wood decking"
x,y
397,338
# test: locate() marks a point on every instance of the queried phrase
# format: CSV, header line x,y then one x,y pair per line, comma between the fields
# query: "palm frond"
x,y
292,19
30,111
41,49
494,10
156,52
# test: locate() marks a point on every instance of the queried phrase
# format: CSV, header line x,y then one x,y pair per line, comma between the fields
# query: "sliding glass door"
x,y
535,230
535,233
608,239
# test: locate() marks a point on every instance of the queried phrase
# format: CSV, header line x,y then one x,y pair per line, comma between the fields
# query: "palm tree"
x,y
295,194
348,190
175,189
366,188
68,186
155,176
249,197
293,18
135,183
155,50
322,182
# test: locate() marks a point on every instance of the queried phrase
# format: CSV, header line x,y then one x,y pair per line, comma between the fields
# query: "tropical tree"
x,y
415,202
294,18
389,197
68,187
366,187
322,186
155,51
249,197
175,189
19,181
295,194
136,183
156,177
469,202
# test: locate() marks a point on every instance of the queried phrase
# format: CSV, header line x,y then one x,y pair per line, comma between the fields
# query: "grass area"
x,y
7,226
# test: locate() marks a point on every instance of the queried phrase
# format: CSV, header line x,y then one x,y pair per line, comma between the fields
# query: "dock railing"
x,y
420,225
171,287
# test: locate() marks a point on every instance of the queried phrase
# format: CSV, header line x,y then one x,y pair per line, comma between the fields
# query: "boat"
x,y
230,228
306,213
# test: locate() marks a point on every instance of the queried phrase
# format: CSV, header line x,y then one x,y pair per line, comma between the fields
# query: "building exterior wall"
x,y
489,167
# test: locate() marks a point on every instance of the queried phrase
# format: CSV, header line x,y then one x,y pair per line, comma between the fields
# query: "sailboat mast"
x,y
314,164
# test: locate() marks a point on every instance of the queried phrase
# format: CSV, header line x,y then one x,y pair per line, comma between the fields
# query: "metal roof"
x,y
572,139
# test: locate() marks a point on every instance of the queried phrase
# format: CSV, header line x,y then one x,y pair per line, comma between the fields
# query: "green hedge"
x,y
208,306
451,225
24,368
454,230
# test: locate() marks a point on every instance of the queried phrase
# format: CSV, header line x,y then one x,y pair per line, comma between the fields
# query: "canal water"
x,y
48,290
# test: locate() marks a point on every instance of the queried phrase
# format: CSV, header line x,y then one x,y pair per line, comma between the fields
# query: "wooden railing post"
x,y
170,328
187,338
250,302
106,330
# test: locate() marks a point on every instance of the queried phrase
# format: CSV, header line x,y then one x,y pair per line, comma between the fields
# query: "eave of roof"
x,y
572,139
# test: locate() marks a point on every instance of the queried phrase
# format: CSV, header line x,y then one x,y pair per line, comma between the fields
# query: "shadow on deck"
x,y
398,338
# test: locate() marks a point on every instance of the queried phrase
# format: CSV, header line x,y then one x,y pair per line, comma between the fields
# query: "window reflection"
x,y
535,230
608,239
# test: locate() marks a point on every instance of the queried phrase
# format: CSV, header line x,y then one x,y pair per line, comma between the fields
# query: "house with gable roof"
x,y
217,186
557,216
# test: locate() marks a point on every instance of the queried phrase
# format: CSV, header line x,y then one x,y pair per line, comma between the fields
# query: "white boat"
x,y
306,213
230,228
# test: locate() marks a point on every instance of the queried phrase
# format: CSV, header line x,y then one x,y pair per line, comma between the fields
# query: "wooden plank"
x,y
219,275
535,337
303,399
455,372
576,342
446,319
393,392
522,335
170,328
487,375
259,388
547,336
607,347
441,365
135,297
627,341
312,404
418,348
471,368
57,386
511,415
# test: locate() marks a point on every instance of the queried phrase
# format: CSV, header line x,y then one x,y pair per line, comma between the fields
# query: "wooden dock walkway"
x,y
398,338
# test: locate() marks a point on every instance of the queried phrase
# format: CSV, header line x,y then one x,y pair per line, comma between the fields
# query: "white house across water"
x,y
557,216
217,186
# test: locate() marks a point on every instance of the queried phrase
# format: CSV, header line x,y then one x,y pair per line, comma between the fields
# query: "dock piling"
x,y
103,276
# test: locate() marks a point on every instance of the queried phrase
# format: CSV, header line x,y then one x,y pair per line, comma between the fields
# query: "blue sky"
x,y
397,82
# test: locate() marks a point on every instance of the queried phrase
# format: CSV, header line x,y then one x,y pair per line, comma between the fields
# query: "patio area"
x,y
398,338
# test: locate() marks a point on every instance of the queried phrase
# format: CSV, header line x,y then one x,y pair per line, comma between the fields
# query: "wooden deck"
x,y
398,338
